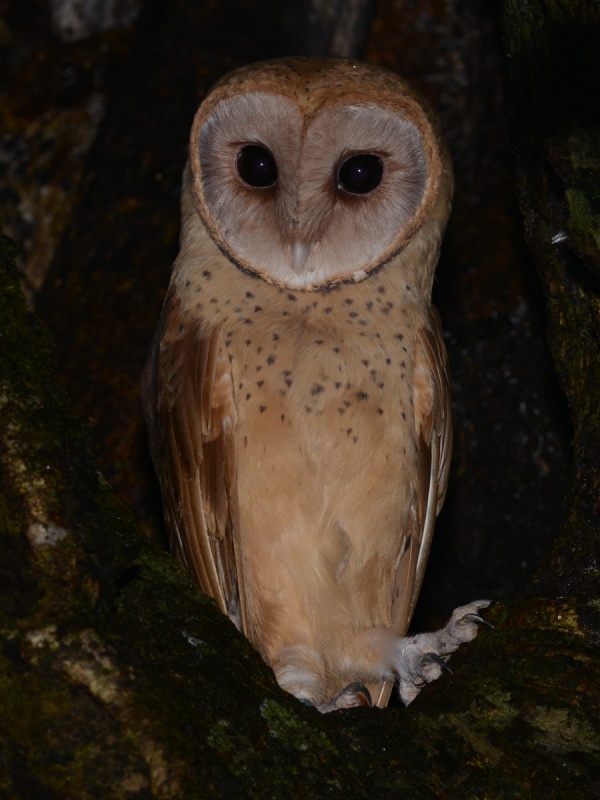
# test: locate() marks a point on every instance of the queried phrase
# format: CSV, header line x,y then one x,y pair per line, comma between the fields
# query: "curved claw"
x,y
477,618
360,691
352,696
436,659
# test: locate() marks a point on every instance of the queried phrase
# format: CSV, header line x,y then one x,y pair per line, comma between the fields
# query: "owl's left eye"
x,y
256,166
360,174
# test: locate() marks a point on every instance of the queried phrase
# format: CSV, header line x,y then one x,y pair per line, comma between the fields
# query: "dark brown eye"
x,y
360,174
256,166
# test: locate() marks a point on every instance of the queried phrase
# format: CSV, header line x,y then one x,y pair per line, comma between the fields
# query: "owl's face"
x,y
308,173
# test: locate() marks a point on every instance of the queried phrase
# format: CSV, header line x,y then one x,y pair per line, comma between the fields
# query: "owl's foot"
x,y
352,696
420,659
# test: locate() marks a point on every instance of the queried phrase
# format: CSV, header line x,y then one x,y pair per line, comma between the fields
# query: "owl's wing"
x,y
190,411
433,415
434,436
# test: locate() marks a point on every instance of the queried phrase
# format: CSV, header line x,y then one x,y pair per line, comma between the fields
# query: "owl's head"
x,y
311,172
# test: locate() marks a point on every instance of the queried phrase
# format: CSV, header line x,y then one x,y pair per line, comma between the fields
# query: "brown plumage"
x,y
297,392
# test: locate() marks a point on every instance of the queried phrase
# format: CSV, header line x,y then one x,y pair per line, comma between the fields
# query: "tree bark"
x,y
118,679
553,49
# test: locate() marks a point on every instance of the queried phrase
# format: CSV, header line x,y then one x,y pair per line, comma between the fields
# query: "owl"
x,y
297,392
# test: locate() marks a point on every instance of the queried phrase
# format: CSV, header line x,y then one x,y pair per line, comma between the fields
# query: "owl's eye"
x,y
360,174
256,166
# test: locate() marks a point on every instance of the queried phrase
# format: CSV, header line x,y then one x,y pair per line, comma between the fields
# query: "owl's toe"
x,y
352,696
420,659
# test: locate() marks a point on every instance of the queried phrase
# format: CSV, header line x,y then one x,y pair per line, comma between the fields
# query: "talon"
x,y
477,618
354,695
437,660
361,692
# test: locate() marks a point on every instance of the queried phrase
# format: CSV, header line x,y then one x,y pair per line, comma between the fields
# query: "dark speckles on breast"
x,y
360,396
262,409
388,360
349,301
381,289
292,298
316,389
338,385
365,361
380,411
259,383
257,309
271,360
248,396
318,341
336,349
353,314
248,321
399,336
247,342
369,305
207,274
249,295
328,309
275,337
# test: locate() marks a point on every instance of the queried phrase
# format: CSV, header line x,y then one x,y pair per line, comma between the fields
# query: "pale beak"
x,y
300,253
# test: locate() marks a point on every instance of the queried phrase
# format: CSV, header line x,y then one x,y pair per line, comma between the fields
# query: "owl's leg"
x,y
420,659
300,671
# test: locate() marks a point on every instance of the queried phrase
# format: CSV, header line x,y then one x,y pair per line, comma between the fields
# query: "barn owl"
x,y
297,392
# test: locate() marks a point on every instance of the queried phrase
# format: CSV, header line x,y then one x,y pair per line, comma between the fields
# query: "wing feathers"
x,y
188,395
434,430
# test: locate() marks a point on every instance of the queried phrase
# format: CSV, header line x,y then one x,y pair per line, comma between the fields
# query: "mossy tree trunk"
x,y
553,50
117,679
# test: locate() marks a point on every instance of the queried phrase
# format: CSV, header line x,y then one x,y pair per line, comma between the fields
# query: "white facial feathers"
x,y
306,230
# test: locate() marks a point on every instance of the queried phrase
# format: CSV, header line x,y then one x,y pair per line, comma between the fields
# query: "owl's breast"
x,y
325,410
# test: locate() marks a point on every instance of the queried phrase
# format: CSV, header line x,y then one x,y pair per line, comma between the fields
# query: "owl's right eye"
x,y
256,166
